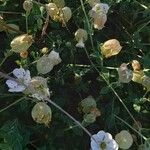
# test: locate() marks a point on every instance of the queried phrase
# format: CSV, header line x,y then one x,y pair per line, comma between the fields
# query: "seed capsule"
x,y
27,5
65,15
21,43
41,113
81,36
124,139
110,48
53,11
136,65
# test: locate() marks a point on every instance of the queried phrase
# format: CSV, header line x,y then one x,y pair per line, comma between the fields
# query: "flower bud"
x,y
89,118
41,113
27,5
81,36
136,65
21,43
110,48
44,50
24,54
124,139
87,104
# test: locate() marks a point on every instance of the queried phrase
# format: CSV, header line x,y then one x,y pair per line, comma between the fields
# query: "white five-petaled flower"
x,y
103,141
22,81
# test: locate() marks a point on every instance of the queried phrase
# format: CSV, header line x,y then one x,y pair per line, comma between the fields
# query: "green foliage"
x,y
82,72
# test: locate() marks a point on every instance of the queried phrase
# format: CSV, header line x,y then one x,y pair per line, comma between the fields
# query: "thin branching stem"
x,y
12,104
131,127
71,117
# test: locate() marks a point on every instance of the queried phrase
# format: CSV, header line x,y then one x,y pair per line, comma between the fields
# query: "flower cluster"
x,y
137,75
59,12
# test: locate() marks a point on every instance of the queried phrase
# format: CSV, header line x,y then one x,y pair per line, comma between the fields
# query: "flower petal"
x,y
94,143
11,83
18,88
101,135
107,137
27,77
19,73
112,145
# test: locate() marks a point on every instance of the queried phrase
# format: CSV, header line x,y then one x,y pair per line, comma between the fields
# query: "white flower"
x,y
22,81
103,141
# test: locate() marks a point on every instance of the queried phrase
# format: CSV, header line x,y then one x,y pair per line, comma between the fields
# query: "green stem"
x,y
27,30
131,127
71,117
88,23
12,104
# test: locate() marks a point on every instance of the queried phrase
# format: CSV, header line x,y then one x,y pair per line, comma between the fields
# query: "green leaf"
x,y
4,146
12,135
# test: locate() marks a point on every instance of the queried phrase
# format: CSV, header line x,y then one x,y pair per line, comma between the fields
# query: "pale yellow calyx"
x,y
124,139
53,11
137,76
44,50
27,5
41,113
110,48
99,21
21,43
65,15
81,36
